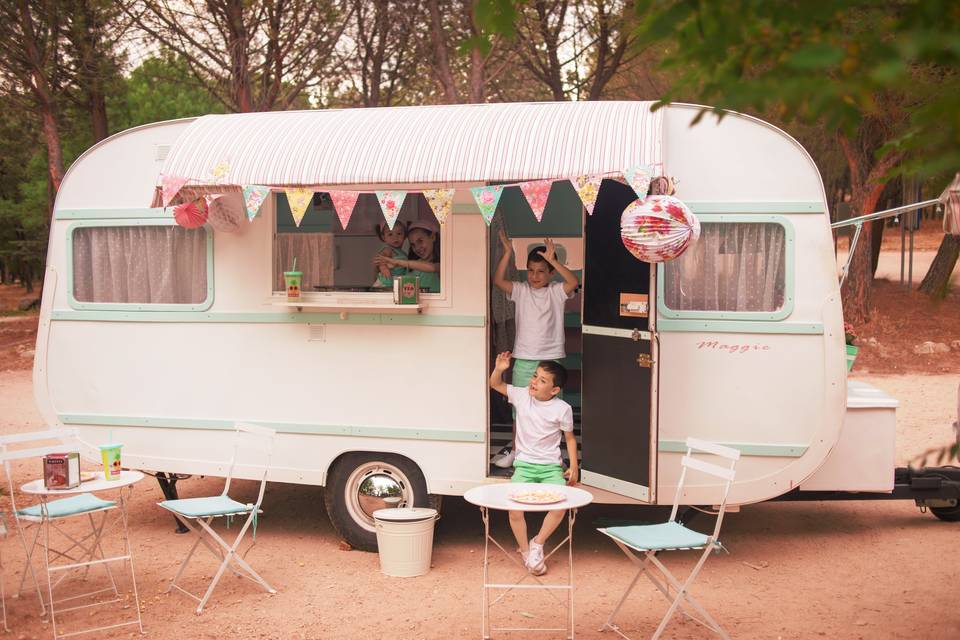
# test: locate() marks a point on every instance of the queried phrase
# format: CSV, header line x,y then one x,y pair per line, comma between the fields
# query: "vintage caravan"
x,y
163,337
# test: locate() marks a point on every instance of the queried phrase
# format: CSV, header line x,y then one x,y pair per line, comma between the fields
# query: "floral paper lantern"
x,y
658,228
191,215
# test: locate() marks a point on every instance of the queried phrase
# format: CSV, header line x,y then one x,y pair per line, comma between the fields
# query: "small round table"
x,y
90,554
497,497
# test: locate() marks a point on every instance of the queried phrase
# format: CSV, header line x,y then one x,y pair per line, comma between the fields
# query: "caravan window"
x,y
137,265
332,258
735,267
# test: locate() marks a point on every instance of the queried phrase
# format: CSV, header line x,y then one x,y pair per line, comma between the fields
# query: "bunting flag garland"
x,y
588,188
343,204
658,228
536,192
253,197
487,200
391,202
441,202
220,172
299,199
169,187
638,177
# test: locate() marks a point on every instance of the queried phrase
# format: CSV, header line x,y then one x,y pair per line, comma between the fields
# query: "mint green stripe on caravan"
x,y
227,317
113,214
745,448
447,435
756,207
667,325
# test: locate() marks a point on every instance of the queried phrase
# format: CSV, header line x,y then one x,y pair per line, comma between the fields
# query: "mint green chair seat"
x,y
205,507
658,537
72,506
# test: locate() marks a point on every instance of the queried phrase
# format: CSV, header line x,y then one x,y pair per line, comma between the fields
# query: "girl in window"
x,y
424,260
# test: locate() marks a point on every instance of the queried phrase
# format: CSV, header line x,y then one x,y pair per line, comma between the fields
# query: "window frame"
x,y
136,306
383,296
789,274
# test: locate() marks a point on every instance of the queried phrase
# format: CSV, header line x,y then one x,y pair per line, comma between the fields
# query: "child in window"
x,y
541,418
392,240
424,259
539,312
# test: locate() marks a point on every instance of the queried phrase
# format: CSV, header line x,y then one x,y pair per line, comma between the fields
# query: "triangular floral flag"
x,y
253,197
343,203
169,187
487,199
536,192
638,177
391,202
298,199
588,188
441,202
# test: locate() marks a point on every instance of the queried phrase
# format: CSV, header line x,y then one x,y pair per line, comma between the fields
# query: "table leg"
x,y
485,601
571,517
45,523
126,539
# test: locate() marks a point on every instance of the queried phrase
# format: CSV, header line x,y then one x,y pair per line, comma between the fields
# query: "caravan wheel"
x,y
360,483
948,514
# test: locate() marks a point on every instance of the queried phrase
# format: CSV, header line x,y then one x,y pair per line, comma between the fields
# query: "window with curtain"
x,y
163,264
732,267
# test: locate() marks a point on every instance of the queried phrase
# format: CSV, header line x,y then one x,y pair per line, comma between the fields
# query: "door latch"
x,y
635,336
645,360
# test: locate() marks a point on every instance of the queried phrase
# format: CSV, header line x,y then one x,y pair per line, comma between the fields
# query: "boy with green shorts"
x,y
539,310
541,418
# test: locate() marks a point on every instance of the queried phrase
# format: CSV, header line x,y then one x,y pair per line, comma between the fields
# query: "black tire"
x,y
348,515
947,514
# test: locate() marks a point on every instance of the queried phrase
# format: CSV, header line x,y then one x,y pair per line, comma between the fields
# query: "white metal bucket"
x,y
405,540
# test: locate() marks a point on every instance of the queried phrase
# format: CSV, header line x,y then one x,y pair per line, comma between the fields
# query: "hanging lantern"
x,y
226,213
191,215
658,228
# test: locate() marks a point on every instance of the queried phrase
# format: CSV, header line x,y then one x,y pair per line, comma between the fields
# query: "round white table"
x,y
498,497
90,553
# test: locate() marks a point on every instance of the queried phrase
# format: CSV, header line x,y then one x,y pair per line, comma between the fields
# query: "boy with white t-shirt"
x,y
539,308
541,418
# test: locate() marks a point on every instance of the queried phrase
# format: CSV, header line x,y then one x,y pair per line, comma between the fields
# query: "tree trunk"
x,y
936,283
444,74
98,115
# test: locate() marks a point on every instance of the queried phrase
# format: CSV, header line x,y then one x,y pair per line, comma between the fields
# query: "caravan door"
x,y
618,426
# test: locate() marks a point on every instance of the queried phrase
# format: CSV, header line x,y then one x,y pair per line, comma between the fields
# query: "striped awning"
x,y
429,144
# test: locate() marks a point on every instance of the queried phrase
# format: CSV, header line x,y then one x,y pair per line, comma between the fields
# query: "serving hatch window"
x,y
733,267
332,258
140,265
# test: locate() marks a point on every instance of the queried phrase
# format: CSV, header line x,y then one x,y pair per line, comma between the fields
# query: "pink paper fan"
x,y
658,228
191,215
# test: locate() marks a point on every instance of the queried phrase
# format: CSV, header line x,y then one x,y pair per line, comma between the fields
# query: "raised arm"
x,y
500,274
570,282
413,265
496,377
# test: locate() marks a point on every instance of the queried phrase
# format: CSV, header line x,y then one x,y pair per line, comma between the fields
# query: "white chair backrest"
x,y
252,439
69,438
724,473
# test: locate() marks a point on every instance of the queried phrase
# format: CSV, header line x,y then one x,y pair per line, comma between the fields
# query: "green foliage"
x,y
831,63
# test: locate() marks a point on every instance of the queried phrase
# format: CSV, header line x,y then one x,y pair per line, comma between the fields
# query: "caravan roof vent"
x,y
161,152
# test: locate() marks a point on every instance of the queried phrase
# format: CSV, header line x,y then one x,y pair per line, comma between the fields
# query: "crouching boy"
x,y
541,418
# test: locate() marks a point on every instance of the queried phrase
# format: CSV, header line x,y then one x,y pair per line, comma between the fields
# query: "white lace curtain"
x,y
732,267
140,265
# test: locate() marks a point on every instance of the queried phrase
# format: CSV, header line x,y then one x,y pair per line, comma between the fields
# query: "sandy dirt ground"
x,y
804,570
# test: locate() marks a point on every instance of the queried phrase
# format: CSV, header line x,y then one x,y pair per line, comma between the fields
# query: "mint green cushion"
x,y
83,503
653,537
205,507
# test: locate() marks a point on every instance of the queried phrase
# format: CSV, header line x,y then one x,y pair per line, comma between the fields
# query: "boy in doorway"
x,y
539,312
541,418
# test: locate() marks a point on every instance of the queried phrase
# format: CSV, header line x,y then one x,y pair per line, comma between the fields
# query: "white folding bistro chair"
x,y
641,543
80,550
198,513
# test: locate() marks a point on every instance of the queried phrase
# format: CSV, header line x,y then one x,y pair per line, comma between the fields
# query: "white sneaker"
x,y
503,458
534,559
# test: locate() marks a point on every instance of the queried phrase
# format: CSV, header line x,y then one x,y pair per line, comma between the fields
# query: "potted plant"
x,y
851,338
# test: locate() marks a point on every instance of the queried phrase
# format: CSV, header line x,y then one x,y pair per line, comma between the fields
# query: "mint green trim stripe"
x,y
269,318
756,207
745,448
113,214
282,427
665,325
136,307
663,311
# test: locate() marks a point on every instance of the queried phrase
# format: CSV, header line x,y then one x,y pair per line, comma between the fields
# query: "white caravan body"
x,y
350,372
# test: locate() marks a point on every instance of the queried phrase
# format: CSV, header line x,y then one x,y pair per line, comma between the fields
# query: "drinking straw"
x,y
294,268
